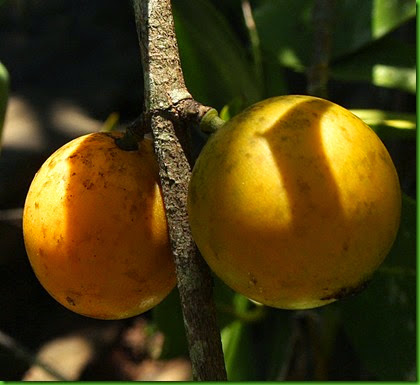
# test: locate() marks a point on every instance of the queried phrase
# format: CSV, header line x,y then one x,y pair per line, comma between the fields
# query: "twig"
x,y
169,106
12,216
254,39
9,215
318,73
23,353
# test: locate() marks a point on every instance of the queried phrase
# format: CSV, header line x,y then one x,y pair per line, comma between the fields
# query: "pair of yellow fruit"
x,y
293,203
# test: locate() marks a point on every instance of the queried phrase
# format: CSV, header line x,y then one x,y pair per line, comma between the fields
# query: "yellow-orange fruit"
x,y
95,229
294,202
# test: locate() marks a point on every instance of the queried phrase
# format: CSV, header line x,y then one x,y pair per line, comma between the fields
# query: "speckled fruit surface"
x,y
295,202
95,229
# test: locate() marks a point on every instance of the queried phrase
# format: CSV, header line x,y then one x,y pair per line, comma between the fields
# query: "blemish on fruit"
x,y
70,301
303,186
346,291
88,184
251,279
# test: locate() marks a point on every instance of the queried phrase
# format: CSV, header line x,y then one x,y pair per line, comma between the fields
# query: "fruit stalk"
x,y
165,95
211,122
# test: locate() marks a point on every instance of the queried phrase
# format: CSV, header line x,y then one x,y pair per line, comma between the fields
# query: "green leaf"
x,y
385,63
276,349
274,77
167,317
231,109
388,124
214,62
360,22
390,14
381,321
4,92
237,346
286,29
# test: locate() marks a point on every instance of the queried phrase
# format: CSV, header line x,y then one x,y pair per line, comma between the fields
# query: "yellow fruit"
x,y
294,202
95,229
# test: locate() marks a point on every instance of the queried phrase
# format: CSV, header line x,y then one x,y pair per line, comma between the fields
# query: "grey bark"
x,y
170,109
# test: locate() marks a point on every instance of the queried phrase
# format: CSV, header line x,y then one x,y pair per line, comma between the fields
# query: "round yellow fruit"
x,y
95,229
294,202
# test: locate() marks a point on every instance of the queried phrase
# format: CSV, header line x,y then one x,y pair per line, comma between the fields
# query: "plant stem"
x,y
323,18
254,40
4,92
168,103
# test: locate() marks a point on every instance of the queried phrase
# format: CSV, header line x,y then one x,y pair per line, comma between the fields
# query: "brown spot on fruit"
x,y
346,291
88,184
345,246
80,244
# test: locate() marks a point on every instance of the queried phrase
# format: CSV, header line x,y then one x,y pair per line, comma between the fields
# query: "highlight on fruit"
x,y
95,229
295,202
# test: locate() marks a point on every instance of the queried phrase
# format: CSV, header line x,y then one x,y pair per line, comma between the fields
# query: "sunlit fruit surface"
x,y
95,229
294,202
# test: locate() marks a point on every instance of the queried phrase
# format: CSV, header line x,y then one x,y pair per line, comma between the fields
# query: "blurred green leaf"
x,y
237,346
285,27
111,122
275,344
231,109
389,124
359,22
214,62
167,317
381,321
284,30
403,252
385,63
274,77
390,14
4,93
224,298
230,308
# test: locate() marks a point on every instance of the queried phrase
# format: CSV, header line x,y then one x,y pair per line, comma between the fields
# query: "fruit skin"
x,y
294,202
95,229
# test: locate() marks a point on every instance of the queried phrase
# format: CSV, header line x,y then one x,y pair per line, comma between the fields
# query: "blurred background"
x,y
73,67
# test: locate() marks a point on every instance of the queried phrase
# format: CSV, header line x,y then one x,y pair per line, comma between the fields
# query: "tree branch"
x,y
171,108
